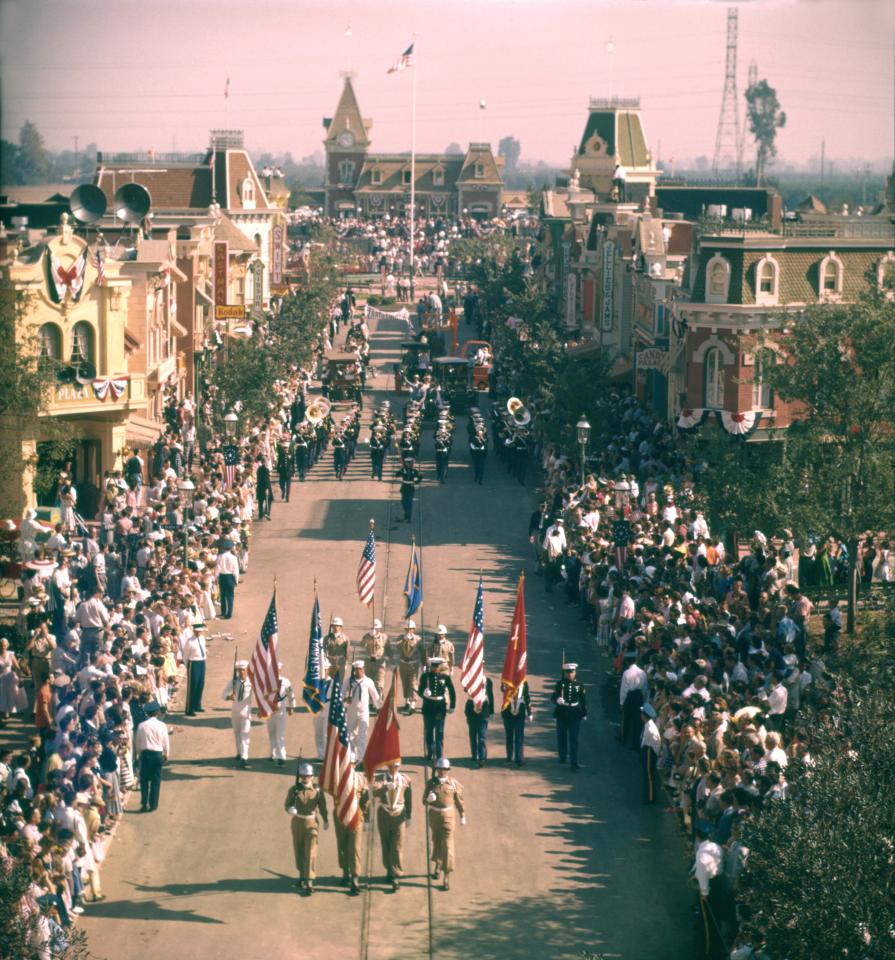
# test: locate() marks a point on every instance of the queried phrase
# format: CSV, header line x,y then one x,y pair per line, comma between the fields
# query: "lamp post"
x,y
186,494
583,430
231,424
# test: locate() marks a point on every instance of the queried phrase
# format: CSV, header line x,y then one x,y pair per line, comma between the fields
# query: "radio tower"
x,y
728,141
753,79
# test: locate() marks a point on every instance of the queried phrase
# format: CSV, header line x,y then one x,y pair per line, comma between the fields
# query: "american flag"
x,y
99,261
403,62
366,572
472,671
231,456
337,775
263,669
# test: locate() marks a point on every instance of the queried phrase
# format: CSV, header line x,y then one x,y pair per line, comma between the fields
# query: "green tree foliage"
x,y
765,119
509,148
33,159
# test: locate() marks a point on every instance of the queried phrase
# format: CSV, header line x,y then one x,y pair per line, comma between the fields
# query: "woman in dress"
x,y
886,569
68,497
9,681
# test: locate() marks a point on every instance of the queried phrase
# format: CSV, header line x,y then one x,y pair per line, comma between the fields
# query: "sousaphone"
x,y
516,409
317,411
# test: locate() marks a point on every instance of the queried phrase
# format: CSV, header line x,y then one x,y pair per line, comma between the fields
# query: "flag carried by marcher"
x,y
515,664
337,775
264,670
472,670
314,691
413,584
231,458
384,744
366,572
403,62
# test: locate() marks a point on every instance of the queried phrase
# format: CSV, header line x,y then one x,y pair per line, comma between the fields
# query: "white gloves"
x,y
326,824
462,821
431,798
366,826
427,692
560,702
292,812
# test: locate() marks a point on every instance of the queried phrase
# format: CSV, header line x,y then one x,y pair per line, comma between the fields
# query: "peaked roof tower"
x,y
347,117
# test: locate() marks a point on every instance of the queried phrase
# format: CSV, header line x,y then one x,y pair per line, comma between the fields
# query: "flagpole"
x,y
413,165
373,601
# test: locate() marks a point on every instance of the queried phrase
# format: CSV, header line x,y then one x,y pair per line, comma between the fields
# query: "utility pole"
x,y
823,164
727,138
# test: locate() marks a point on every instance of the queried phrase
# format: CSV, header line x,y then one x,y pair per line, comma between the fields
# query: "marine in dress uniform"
x,y
375,644
360,692
478,451
650,747
194,654
570,698
477,716
442,455
410,477
377,454
437,691
276,722
335,645
515,715
350,842
239,692
304,802
340,456
395,796
410,653
442,647
443,797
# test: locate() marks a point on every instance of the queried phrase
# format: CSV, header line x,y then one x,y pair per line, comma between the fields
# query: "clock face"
x,y
346,139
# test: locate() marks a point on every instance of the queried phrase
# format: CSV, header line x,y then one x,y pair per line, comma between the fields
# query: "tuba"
x,y
516,409
317,411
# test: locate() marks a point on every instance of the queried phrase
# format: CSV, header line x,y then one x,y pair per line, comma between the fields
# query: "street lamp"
x,y
231,422
186,494
622,495
583,430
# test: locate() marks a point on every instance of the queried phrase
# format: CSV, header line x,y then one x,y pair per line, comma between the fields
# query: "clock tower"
x,y
346,144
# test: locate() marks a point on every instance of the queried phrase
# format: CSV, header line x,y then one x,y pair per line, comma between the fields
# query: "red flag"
x,y
515,663
384,744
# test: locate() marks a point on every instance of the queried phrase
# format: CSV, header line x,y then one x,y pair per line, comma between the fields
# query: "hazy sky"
x,y
138,74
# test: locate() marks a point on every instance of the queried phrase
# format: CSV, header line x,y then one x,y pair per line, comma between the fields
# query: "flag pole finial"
x,y
372,523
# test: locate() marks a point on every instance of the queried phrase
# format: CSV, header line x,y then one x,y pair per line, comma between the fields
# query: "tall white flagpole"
x,y
413,166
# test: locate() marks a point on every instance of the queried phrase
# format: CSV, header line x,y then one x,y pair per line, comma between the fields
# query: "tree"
x,y
509,148
837,361
765,119
34,161
453,149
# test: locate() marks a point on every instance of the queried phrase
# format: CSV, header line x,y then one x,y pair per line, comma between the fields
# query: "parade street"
x,y
551,863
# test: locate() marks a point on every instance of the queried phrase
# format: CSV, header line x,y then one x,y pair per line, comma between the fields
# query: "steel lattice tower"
x,y
728,140
753,79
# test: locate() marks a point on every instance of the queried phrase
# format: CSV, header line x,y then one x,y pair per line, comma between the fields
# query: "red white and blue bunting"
x,y
736,424
690,419
62,280
114,386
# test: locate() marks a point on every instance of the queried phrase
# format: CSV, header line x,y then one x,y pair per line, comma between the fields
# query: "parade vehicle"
x,y
356,341
341,378
452,375
415,361
480,355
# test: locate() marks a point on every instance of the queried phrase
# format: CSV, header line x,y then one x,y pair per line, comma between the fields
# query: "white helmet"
x,y
441,630
337,621
442,763
411,624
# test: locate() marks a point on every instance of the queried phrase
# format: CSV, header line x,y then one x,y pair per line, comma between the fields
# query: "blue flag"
x,y
314,692
413,585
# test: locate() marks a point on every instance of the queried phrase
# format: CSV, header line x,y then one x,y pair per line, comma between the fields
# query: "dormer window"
x,y
830,277
767,281
717,279
247,193
438,177
480,171
406,177
376,177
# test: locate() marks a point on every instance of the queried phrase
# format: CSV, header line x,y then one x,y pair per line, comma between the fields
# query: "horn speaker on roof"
x,y
87,202
86,372
132,202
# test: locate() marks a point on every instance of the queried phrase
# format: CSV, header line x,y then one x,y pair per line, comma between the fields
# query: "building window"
x,y
49,340
81,343
438,178
718,274
406,177
661,326
762,397
248,192
830,277
376,177
767,273
346,172
714,379
480,171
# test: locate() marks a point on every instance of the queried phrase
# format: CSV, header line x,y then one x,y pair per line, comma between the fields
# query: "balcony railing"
x,y
78,397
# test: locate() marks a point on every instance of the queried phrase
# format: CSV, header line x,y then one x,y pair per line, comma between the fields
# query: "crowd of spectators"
x,y
108,606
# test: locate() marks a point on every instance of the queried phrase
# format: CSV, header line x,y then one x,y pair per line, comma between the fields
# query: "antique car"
x,y
481,357
341,378
450,378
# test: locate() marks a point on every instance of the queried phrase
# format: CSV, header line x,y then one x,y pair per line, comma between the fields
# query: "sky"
x,y
141,74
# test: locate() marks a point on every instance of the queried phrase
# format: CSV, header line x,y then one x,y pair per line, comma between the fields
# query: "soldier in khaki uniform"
x,y
410,652
335,645
443,794
375,644
442,647
392,815
303,802
350,842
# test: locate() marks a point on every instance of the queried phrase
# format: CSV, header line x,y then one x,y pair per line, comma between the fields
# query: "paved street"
x,y
550,863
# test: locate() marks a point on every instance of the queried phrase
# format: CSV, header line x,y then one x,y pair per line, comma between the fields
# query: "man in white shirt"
x,y
227,570
152,747
632,695
92,617
361,691
650,746
276,722
554,544
194,654
239,692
